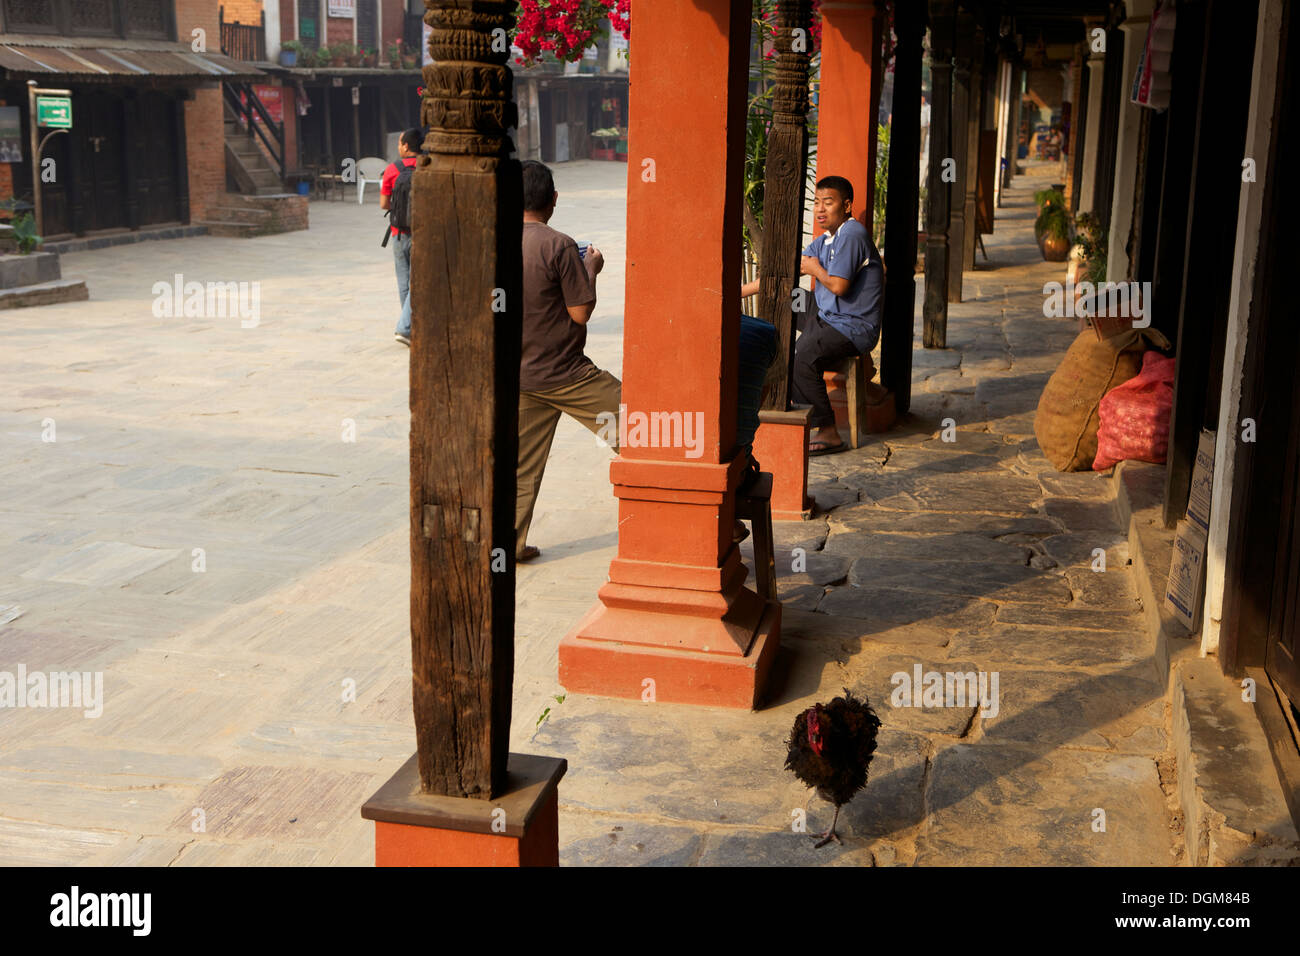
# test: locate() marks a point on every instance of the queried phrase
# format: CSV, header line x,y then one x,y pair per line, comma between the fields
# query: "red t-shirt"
x,y
390,176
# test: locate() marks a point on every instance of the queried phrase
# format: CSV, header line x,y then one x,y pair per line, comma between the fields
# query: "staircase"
x,y
246,165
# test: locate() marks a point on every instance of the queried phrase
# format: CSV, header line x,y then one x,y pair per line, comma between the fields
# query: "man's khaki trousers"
x,y
539,413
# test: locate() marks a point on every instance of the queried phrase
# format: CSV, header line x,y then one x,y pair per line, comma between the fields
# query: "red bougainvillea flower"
x,y
565,28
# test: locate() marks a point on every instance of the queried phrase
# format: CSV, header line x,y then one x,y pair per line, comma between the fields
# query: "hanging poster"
x,y
11,135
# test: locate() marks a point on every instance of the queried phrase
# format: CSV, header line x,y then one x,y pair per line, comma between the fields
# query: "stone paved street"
x,y
226,689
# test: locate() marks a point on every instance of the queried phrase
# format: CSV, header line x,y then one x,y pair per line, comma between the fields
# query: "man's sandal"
x,y
816,448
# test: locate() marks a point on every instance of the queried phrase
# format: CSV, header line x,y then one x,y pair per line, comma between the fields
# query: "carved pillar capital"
x,y
793,46
468,89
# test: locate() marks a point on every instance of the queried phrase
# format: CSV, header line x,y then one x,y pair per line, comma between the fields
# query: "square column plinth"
x,y
518,828
781,447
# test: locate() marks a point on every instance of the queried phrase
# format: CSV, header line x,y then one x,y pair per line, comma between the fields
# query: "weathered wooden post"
x,y
781,444
963,87
941,163
463,798
901,198
971,171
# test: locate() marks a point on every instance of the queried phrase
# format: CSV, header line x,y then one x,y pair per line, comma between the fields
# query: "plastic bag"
x,y
1135,415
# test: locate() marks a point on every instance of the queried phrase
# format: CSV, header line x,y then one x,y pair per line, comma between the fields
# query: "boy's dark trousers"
x,y
819,349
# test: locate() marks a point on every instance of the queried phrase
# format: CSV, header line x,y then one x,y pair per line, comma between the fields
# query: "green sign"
x,y
54,112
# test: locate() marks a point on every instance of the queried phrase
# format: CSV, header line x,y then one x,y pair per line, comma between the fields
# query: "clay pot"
x,y
1054,249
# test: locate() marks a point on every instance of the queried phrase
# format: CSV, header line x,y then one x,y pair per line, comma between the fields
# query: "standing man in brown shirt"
x,y
555,377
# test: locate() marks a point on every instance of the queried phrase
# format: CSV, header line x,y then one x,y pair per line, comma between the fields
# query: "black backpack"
x,y
399,202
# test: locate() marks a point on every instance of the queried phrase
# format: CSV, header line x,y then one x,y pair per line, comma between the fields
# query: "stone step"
x,y
248,152
44,293
232,213
232,230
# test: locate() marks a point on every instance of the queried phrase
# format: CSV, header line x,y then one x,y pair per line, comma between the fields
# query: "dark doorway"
x,y
156,159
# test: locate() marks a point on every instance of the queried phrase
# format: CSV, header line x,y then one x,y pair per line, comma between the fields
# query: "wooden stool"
x,y
871,405
754,504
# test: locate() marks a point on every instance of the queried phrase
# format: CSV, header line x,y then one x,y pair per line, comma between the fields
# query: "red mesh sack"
x,y
1134,416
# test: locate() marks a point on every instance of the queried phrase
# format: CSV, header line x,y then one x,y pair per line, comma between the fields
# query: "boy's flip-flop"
x,y
816,448
528,553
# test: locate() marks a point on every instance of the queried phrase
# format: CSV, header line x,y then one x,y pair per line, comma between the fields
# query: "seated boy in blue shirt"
x,y
850,299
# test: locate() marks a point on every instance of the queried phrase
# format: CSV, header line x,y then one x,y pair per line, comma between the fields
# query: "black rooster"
x,y
830,748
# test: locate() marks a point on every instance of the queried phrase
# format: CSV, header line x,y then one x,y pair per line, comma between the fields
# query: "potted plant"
x,y
368,58
289,51
1052,227
394,52
25,233
1090,248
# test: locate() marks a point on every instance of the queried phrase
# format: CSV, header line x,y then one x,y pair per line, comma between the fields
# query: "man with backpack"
x,y
395,196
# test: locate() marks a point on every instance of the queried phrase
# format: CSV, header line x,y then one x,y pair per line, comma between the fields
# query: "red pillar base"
x,y
519,828
672,675
781,447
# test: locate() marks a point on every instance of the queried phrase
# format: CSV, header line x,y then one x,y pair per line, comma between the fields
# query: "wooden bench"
x,y
754,504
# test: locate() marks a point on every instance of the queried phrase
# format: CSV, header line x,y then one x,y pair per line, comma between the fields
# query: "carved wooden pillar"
x,y
937,206
900,212
971,173
781,443
467,221
468,225
784,177
963,97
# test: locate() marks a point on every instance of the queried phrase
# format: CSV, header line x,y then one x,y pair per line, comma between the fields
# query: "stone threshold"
x,y
123,238
1233,805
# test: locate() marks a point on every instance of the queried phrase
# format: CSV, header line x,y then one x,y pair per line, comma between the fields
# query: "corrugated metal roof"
x,y
118,62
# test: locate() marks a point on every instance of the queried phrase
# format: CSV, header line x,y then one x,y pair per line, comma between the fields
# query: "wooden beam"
x,y
784,179
935,333
901,210
467,212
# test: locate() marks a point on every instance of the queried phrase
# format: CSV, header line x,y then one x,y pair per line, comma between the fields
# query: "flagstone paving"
x,y
201,531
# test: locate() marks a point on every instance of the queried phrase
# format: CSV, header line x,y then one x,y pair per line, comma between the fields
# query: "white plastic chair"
x,y
370,169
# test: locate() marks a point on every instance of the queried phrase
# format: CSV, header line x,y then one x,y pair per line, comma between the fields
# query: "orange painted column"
x,y
675,622
848,105
849,99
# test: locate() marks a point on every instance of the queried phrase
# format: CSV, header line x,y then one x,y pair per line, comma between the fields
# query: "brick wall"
x,y
288,213
205,151
338,30
205,147
199,13
394,17
288,25
246,11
